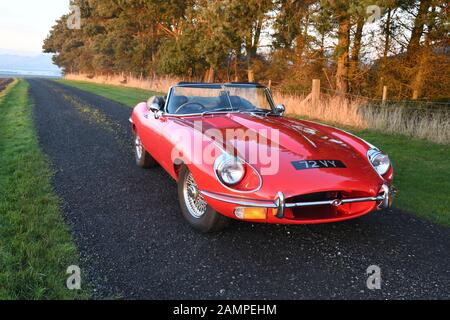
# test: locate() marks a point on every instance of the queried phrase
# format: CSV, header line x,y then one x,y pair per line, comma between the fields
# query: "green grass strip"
x,y
422,174
127,96
35,244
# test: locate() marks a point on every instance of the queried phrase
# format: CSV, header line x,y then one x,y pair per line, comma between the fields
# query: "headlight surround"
x,y
229,170
379,161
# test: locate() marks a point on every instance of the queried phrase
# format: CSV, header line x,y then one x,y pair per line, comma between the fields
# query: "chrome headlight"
x,y
229,170
379,161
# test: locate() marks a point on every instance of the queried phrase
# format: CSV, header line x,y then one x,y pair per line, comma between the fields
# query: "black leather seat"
x,y
236,102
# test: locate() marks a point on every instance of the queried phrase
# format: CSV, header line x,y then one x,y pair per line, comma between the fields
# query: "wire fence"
x,y
387,102
420,119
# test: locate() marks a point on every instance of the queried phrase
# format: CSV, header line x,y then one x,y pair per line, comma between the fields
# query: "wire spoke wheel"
x,y
195,203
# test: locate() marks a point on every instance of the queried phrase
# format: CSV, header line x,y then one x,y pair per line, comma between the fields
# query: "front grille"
x,y
314,197
326,212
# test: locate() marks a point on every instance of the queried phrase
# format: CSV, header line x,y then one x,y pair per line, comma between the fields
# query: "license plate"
x,y
318,164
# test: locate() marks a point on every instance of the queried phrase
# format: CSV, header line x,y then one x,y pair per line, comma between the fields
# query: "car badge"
x,y
337,203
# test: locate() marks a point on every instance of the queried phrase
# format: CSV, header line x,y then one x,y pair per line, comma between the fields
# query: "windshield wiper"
x,y
217,111
266,113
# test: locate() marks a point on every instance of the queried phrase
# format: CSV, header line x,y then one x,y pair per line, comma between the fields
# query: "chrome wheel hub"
x,y
195,203
193,192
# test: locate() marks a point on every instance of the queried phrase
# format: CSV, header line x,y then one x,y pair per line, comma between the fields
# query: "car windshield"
x,y
203,99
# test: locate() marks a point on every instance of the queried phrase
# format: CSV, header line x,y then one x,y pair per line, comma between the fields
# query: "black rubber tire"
x,y
145,160
211,222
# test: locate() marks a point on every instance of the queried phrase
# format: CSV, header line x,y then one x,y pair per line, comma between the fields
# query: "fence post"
x,y
251,75
315,93
385,94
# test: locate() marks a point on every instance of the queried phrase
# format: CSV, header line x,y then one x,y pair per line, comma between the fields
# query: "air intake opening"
x,y
326,212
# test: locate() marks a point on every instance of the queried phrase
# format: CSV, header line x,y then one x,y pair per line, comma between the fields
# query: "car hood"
x,y
294,139
291,141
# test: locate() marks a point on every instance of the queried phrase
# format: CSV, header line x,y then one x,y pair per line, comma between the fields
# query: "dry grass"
x,y
411,120
160,84
329,109
424,123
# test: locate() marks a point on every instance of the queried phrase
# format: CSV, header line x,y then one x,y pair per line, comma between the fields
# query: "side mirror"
x,y
281,109
155,104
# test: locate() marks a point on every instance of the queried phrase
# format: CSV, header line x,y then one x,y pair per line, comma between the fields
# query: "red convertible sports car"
x,y
234,155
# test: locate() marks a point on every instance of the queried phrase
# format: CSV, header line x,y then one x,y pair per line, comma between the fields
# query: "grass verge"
x,y
127,96
422,168
422,174
35,244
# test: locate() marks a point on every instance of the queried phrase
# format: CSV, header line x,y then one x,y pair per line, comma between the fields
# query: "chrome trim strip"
x,y
167,100
336,202
240,202
270,96
309,140
131,121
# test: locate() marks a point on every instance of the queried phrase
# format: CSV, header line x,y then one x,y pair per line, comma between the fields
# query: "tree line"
x,y
354,47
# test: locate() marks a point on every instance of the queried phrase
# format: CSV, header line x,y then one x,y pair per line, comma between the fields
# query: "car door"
x,y
151,134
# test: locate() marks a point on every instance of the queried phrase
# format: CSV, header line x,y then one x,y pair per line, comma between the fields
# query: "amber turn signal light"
x,y
251,213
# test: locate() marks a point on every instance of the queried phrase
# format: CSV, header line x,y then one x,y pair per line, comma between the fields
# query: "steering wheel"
x,y
199,106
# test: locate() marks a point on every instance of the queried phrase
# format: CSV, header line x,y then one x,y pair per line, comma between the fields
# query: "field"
x,y
35,245
422,168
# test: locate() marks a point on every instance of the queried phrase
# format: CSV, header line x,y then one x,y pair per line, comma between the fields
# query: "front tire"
x,y
195,209
143,158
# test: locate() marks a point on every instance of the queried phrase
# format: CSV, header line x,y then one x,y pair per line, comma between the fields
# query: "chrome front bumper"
x,y
384,201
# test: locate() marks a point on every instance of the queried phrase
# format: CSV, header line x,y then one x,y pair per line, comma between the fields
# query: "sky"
x,y
24,24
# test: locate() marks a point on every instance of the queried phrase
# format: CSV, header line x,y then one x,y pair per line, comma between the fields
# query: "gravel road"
x,y
134,243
